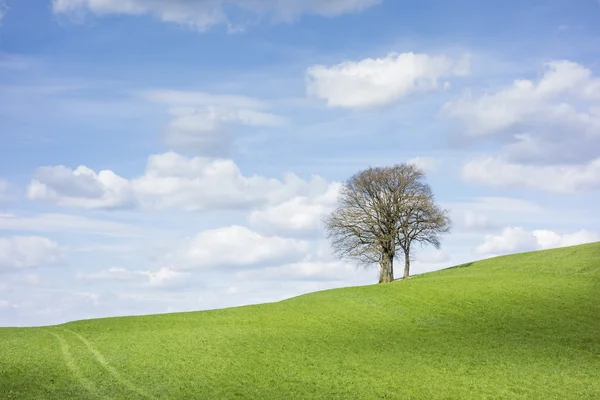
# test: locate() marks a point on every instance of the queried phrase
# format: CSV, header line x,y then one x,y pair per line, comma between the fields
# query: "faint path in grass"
x,y
111,370
87,384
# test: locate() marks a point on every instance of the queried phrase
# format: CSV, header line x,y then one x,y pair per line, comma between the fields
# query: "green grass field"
x,y
524,326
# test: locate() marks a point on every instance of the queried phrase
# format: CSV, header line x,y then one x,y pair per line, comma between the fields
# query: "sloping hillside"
x,y
524,326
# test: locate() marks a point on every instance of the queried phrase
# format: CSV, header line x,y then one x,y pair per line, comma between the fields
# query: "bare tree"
x,y
382,212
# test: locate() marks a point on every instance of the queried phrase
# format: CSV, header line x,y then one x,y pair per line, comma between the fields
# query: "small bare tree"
x,y
383,211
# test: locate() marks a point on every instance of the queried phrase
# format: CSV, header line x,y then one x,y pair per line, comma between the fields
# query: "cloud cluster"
x,y
235,247
22,252
550,101
376,82
550,130
301,214
517,239
204,14
170,181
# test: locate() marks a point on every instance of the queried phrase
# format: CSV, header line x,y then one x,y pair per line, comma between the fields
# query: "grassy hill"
x,y
524,326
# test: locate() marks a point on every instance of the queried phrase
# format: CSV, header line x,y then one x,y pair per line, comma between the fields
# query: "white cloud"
x,y
525,99
166,277
563,179
299,214
170,180
378,82
316,264
517,239
554,120
204,123
548,239
81,187
510,240
204,14
20,252
235,246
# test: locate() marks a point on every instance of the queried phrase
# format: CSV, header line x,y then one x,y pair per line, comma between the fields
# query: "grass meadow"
x,y
523,326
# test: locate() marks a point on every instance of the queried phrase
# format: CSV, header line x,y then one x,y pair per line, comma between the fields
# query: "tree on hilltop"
x,y
382,212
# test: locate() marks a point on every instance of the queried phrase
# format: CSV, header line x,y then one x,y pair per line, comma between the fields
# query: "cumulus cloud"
x,y
553,120
549,129
81,187
301,214
204,123
381,81
563,179
21,252
517,239
204,14
170,181
233,247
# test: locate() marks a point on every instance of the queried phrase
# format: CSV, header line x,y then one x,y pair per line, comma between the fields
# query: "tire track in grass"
x,y
70,361
111,370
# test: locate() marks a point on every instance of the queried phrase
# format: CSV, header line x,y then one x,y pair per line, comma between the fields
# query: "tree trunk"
x,y
406,264
386,270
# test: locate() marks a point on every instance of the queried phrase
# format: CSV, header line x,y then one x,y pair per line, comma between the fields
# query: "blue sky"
x,y
178,155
